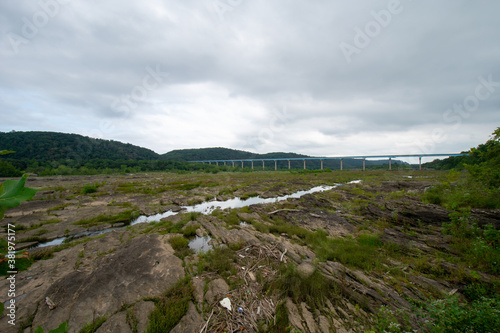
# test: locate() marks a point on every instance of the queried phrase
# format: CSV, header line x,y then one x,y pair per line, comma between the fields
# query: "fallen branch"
x,y
206,324
284,210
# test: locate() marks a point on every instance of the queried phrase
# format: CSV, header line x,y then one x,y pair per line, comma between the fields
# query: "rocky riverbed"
x,y
324,262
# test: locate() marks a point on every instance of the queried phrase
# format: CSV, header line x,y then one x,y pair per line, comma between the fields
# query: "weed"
x,y
94,325
313,290
89,188
180,245
232,218
178,242
361,252
63,328
219,260
132,321
450,315
249,195
126,216
190,230
171,307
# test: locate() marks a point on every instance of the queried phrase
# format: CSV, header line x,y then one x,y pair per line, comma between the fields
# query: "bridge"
x,y
322,159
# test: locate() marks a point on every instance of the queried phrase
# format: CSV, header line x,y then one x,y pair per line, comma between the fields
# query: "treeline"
x,y
50,153
480,185
15,168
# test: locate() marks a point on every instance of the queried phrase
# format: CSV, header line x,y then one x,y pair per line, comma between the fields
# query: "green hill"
x,y
52,146
51,153
202,154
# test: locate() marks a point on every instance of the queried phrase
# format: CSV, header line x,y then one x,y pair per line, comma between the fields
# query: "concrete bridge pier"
x,y
263,166
275,165
289,167
364,164
420,162
252,165
242,164
321,164
341,160
233,164
304,164
217,163
390,163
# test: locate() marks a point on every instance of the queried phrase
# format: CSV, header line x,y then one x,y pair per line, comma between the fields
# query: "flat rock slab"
x,y
144,267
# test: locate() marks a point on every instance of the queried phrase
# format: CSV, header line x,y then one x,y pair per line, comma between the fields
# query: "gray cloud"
x,y
226,73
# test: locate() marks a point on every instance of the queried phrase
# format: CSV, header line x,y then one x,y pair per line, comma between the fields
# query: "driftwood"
x,y
284,210
250,303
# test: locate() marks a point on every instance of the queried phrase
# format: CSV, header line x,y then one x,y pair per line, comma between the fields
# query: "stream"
x,y
200,244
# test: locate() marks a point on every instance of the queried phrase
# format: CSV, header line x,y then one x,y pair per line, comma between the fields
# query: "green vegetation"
x,y
13,192
171,307
63,328
361,252
314,290
50,153
220,260
180,245
168,227
94,325
478,186
478,246
126,217
90,188
448,315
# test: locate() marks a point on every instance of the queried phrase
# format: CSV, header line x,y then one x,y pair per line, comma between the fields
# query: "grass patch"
x,y
178,242
180,246
361,252
89,188
58,207
220,260
125,216
171,307
232,218
249,195
190,230
313,290
93,326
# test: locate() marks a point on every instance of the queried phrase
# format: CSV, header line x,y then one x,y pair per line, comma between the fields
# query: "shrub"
x,y
449,315
178,242
89,188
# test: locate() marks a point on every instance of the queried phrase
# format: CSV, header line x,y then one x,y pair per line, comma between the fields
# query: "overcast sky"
x,y
324,78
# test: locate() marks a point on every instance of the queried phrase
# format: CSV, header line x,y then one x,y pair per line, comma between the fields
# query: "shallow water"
x,y
206,208
200,244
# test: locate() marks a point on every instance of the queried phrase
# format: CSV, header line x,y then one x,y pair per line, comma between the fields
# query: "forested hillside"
x,y
481,185
52,146
50,153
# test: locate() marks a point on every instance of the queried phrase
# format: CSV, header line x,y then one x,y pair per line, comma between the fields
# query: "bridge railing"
x,y
321,159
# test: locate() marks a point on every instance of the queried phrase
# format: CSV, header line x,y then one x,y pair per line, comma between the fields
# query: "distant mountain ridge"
x,y
203,154
55,146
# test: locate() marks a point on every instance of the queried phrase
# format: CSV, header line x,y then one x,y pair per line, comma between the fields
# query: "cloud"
x,y
257,75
